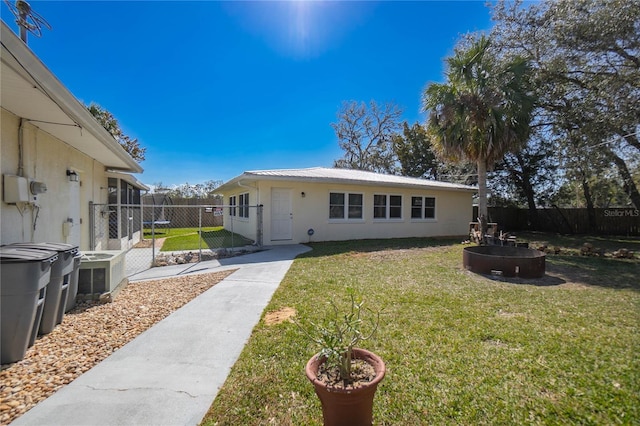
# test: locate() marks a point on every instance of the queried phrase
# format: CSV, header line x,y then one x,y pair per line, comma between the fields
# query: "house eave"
x,y
33,93
128,178
249,177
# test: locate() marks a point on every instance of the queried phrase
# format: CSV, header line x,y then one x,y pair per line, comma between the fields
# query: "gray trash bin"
x,y
73,283
24,275
58,287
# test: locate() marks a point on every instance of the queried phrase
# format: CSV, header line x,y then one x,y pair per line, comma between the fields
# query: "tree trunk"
x,y
532,211
632,140
527,189
628,184
591,212
483,216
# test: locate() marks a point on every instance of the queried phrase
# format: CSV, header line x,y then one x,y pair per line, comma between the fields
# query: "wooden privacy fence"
x,y
161,209
610,221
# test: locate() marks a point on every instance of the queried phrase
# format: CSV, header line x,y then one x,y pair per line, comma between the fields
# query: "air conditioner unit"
x,y
101,271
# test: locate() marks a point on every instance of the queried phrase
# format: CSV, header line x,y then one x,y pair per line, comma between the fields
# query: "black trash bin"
x,y
58,287
24,275
73,283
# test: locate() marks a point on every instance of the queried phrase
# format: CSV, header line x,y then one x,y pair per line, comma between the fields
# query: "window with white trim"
x,y
345,205
243,205
423,207
387,206
232,205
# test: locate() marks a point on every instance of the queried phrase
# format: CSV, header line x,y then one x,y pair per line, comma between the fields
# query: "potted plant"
x,y
345,377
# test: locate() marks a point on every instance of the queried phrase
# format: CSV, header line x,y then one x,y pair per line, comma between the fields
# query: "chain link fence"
x,y
114,227
161,235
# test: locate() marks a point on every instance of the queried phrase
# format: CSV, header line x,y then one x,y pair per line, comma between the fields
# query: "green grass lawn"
x,y
459,348
178,239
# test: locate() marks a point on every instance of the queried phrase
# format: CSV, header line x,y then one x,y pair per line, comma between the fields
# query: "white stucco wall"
x,y
246,227
46,159
453,213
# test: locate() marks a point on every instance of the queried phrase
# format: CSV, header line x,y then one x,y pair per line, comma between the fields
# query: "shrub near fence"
x,y
610,221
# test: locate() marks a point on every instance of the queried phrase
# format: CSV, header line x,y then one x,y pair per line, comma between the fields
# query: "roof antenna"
x,y
27,19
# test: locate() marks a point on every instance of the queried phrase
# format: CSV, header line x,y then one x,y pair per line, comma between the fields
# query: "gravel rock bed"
x,y
88,334
181,258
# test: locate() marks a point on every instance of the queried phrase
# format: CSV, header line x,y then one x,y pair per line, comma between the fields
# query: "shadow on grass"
x,y
571,267
611,273
331,248
560,269
224,239
575,241
546,281
607,272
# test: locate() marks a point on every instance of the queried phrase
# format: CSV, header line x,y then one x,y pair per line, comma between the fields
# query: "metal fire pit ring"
x,y
504,260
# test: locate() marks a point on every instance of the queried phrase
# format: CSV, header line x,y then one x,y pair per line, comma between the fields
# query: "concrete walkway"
x,y
171,373
148,273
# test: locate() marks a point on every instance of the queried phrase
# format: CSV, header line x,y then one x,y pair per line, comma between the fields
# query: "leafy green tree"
x,y
159,187
365,134
198,190
586,57
483,111
605,192
526,177
464,172
109,122
414,152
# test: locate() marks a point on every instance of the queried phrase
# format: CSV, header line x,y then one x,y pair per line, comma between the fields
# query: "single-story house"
x,y
328,204
57,160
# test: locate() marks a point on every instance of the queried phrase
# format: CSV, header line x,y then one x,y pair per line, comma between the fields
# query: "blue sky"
x,y
212,89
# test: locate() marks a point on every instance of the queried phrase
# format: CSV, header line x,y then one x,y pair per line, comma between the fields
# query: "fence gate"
x,y
161,235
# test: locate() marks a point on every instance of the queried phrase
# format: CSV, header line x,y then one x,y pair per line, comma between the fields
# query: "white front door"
x,y
281,214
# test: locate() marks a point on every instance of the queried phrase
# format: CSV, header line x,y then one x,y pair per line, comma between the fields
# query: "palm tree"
x,y
482,112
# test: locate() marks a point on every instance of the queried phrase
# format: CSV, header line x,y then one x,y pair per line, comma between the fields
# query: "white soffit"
x,y
30,91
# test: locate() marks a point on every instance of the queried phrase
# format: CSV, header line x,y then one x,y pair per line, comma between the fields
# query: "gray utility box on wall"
x,y
16,189
24,275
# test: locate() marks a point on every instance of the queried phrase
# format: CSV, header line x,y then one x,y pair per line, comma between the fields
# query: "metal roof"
x,y
343,176
128,178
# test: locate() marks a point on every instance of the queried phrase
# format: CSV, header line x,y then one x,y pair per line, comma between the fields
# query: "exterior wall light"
x,y
73,176
302,194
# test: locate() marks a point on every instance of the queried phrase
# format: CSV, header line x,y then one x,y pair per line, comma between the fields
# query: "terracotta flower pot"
x,y
348,407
